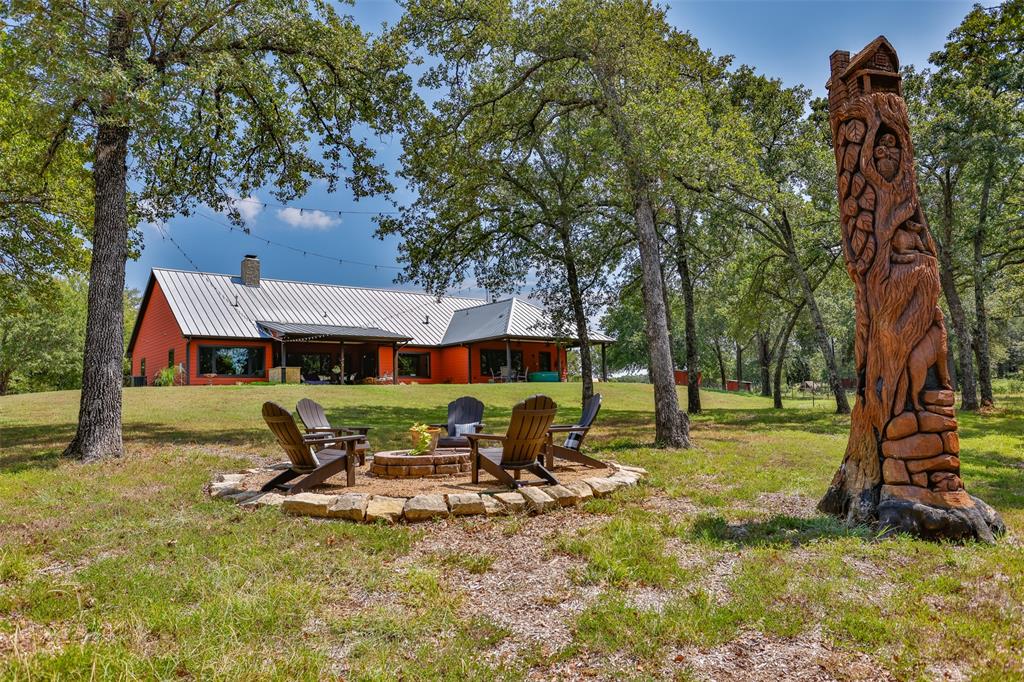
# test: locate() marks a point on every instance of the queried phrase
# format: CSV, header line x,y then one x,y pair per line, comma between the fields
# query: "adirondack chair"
x,y
313,418
525,439
314,467
464,410
570,449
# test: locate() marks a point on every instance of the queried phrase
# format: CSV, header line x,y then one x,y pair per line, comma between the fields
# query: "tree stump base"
x,y
977,521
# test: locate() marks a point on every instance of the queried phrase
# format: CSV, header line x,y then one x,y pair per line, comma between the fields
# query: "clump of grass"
x,y
628,549
477,563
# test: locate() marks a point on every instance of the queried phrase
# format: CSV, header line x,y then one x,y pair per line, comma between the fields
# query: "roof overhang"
x,y
294,331
599,341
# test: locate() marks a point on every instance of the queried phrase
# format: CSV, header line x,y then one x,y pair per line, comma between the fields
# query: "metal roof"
x,y
292,330
511,318
220,306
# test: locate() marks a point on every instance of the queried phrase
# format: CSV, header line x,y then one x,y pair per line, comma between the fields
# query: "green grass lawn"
x,y
717,567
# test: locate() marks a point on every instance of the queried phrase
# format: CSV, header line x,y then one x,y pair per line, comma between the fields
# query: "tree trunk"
x,y
686,284
901,471
721,363
981,344
764,358
580,315
669,324
5,371
842,404
99,412
671,428
739,365
671,425
961,329
780,355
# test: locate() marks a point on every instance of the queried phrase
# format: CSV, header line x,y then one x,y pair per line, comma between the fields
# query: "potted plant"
x,y
424,438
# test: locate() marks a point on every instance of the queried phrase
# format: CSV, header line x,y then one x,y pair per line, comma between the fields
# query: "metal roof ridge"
x,y
321,324
325,284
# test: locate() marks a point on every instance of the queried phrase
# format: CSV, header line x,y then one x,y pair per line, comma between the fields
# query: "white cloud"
x,y
249,207
308,220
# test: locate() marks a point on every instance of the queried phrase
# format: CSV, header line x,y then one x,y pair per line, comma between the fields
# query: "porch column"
x,y
604,364
469,363
284,363
394,363
508,357
341,362
558,359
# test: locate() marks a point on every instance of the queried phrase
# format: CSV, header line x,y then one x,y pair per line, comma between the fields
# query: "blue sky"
x,y
787,40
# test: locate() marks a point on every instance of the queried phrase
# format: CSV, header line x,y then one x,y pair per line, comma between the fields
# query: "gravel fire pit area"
x,y
394,498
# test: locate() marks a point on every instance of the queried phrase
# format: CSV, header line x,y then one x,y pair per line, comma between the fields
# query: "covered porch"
x,y
331,354
512,359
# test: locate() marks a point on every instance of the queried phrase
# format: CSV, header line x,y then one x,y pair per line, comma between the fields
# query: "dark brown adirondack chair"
x,y
313,418
570,449
525,439
464,410
315,468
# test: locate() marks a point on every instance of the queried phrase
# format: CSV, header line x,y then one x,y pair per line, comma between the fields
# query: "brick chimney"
x,y
838,61
251,270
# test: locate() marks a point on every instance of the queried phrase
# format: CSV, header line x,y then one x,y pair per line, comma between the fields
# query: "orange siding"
x,y
385,360
158,333
451,365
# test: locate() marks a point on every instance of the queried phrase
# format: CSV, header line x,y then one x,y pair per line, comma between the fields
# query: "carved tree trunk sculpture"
x,y
902,467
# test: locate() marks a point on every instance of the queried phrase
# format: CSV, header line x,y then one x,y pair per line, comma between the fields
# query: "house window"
x,y
544,361
415,365
234,361
142,367
492,360
170,358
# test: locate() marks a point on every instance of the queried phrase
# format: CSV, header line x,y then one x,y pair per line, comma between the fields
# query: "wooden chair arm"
x,y
566,429
439,426
323,430
328,439
473,437
355,429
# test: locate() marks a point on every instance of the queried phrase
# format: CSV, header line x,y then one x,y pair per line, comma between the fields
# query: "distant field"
x,y
719,567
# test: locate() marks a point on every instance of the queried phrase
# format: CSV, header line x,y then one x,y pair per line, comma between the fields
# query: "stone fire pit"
x,y
435,496
400,464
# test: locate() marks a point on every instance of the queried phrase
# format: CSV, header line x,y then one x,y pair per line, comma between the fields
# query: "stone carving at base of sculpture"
x,y
902,465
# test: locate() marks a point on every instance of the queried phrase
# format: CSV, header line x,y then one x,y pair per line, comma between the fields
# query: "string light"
x,y
305,252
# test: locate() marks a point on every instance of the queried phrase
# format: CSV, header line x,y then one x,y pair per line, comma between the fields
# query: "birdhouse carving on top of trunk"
x,y
902,468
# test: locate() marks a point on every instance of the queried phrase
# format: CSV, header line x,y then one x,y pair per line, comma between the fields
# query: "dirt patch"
x,y
787,504
716,582
755,657
676,508
528,589
410,487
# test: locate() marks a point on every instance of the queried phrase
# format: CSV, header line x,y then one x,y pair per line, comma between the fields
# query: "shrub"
x,y
165,377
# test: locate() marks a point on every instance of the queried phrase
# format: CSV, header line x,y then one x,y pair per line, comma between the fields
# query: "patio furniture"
x,y
575,433
315,420
314,467
523,441
461,411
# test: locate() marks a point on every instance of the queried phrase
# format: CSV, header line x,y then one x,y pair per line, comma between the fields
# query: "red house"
x,y
224,329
